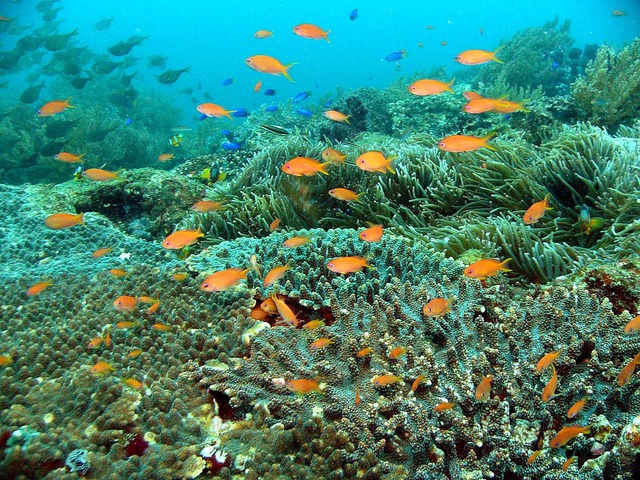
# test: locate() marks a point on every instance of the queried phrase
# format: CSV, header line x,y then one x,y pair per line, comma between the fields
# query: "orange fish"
x,y
307,30
107,339
321,343
154,307
333,156
182,238
276,274
99,175
397,352
477,57
134,353
274,225
416,382
576,408
58,221
257,86
125,303
507,106
547,360
269,306
5,360
161,327
303,386
39,288
384,380
348,264
300,166
118,272
345,194
179,277
69,157
568,433
483,392
336,116
213,110
536,211
165,157
364,352
270,65
204,206
437,307
133,383
627,371
550,389
101,252
294,242
224,279
146,299
486,268
481,105
464,143
533,456
126,325
313,324
357,399
372,234
375,162
441,407
101,367
56,106
430,87
258,314
633,326
567,463
96,342
284,311
263,34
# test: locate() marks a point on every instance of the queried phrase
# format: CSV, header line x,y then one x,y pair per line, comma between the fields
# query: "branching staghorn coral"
x,y
609,91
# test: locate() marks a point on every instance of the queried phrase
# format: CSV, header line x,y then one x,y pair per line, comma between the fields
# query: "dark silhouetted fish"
x,y
54,67
47,29
124,98
100,135
186,91
50,14
170,76
10,59
31,94
157,61
30,43
45,5
59,128
79,82
71,68
126,79
104,24
52,148
58,42
104,67
122,48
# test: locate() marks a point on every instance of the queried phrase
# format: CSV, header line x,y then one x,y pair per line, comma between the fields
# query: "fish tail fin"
x,y
81,216
324,35
67,104
494,58
449,85
285,71
358,196
227,113
80,156
199,232
347,119
390,165
323,168
503,263
546,202
489,137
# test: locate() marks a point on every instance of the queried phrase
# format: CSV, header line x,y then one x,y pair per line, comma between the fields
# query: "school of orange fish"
x,y
275,305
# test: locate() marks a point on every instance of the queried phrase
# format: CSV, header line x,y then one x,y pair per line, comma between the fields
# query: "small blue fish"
x,y
240,113
555,65
301,96
354,14
395,56
128,121
304,112
227,81
327,104
231,146
202,117
271,108
226,133
269,92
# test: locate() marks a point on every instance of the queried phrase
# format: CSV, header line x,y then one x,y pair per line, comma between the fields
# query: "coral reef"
x,y
609,91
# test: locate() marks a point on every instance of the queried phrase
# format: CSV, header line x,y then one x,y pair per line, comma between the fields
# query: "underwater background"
x,y
284,240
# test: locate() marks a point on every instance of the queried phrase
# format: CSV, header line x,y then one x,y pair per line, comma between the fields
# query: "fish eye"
x,y
330,265
469,270
441,144
205,285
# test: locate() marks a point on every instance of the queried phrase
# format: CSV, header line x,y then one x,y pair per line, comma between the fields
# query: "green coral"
x,y
609,91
